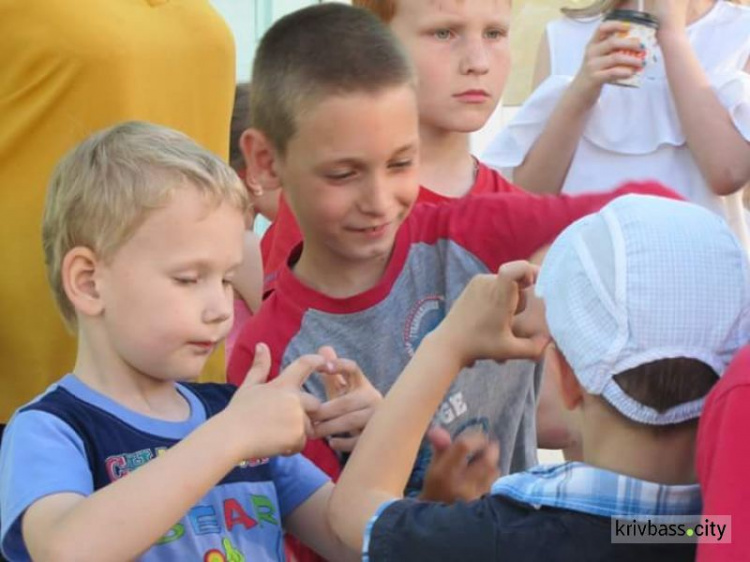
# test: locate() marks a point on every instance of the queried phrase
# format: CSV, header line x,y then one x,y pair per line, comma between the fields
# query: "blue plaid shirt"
x,y
588,489
411,530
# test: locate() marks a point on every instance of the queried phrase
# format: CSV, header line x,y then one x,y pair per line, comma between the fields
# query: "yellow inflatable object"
x,y
66,70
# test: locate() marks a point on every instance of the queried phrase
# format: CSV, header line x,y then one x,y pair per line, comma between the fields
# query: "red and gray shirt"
x,y
437,250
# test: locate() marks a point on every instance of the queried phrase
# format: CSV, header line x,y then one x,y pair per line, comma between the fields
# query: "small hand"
x,y
609,56
351,403
462,470
480,323
273,418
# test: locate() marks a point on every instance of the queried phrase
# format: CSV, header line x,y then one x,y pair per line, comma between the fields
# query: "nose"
x,y
219,303
474,58
376,195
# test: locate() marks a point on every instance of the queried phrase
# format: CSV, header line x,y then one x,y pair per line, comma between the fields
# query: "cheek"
x,y
501,61
433,72
408,192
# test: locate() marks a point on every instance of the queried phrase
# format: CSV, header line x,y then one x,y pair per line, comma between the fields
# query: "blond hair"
x,y
600,7
105,188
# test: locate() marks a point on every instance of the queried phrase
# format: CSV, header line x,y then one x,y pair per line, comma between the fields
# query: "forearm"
x,y
102,527
391,439
720,151
547,163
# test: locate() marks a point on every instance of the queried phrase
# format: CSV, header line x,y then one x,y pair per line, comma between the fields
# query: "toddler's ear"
x,y
571,390
260,159
79,281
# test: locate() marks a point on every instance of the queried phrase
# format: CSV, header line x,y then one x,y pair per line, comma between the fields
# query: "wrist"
x,y
671,37
447,348
580,97
236,445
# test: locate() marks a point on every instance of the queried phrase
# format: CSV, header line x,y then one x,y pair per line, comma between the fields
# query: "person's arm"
x,y
478,326
723,459
546,165
248,279
499,228
64,526
310,525
719,149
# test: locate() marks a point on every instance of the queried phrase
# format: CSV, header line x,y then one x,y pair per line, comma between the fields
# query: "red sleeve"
x,y
275,325
490,180
723,460
503,227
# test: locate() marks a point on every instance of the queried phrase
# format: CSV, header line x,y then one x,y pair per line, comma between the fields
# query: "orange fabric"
x,y
66,70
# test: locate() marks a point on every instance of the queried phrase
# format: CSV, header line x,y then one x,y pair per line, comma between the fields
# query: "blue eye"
x,y
495,34
442,34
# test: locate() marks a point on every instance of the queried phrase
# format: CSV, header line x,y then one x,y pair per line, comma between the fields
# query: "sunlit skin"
x,y
350,176
161,303
461,53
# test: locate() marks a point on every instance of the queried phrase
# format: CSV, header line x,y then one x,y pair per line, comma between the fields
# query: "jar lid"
x,y
643,18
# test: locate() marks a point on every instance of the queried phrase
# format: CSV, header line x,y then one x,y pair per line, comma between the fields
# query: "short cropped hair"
x,y
384,9
667,383
240,122
317,52
105,188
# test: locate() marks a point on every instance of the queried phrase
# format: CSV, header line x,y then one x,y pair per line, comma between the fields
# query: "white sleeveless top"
x,y
635,133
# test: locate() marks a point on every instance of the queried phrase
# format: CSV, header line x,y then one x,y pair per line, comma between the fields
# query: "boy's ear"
x,y
571,390
79,269
260,159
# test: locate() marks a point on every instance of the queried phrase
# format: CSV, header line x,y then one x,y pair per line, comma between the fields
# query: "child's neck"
x,y
102,370
637,451
446,165
338,280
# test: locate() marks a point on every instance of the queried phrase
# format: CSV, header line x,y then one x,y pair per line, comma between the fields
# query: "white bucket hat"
x,y
644,279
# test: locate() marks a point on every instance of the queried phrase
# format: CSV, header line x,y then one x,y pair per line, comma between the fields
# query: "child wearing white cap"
x,y
646,302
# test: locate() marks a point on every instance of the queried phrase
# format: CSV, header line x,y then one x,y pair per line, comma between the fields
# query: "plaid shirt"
x,y
580,487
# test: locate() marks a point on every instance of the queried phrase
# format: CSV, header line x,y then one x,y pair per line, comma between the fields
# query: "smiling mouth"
x,y
206,345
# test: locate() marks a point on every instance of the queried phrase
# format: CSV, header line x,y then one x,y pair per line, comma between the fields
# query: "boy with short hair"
x,y
641,334
461,56
337,129
142,232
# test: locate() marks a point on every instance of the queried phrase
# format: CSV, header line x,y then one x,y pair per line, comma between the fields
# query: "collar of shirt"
x,y
580,487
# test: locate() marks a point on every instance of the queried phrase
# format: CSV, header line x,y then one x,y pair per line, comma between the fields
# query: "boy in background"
x,y
640,335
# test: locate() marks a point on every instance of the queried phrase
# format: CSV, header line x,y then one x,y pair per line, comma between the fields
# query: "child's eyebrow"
x,y
447,19
406,148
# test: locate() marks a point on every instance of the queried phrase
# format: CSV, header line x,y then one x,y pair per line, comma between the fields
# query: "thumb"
x,y
258,373
440,440
526,347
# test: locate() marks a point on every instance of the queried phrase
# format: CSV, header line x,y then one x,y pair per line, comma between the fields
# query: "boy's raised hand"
x,y
351,403
461,470
480,323
274,418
